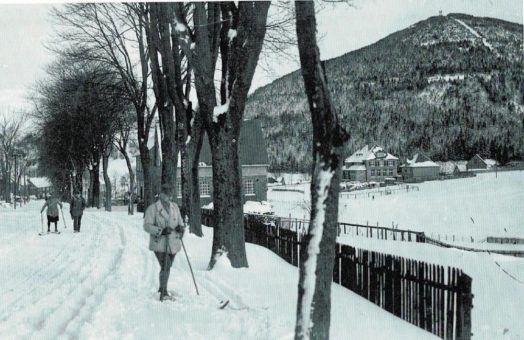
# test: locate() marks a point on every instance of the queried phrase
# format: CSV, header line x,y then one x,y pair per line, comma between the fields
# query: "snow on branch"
x,y
219,110
180,27
232,34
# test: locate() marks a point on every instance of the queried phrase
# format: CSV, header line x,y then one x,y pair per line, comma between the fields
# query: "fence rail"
x,y
435,298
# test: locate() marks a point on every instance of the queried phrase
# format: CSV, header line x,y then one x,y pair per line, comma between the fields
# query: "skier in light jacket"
x,y
52,204
165,225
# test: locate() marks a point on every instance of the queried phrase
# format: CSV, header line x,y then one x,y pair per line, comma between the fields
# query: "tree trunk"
x,y
131,205
185,174
146,172
195,214
169,149
107,181
90,199
96,185
7,182
228,236
239,56
318,246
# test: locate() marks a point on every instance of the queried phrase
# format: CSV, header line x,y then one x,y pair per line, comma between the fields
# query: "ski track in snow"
x,y
80,281
68,292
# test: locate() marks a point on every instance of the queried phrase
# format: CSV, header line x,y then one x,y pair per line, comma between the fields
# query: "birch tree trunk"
x,y
318,246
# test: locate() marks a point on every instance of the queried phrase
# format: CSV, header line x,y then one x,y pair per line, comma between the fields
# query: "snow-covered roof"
x,y
367,153
462,167
418,158
491,162
40,182
425,164
447,167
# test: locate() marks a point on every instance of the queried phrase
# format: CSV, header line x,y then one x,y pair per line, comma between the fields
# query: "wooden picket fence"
x,y
435,298
432,297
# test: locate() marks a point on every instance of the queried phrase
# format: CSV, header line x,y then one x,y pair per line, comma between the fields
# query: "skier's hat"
x,y
165,188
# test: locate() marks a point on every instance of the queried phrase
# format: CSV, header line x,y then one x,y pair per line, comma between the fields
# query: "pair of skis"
x,y
50,232
223,304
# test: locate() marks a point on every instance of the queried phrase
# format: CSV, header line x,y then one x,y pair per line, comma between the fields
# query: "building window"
x,y
204,188
391,172
371,163
372,172
179,188
248,187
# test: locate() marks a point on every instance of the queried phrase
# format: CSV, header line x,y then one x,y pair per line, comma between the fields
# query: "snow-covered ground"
x,y
102,282
481,206
497,283
485,205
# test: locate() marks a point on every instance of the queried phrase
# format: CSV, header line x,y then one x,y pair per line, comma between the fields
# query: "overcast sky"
x,y
24,28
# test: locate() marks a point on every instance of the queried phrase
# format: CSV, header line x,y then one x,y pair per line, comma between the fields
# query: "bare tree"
x,y
114,35
318,247
121,143
171,58
10,129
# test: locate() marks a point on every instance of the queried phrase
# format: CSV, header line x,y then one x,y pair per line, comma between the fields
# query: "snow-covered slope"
x,y
481,206
102,282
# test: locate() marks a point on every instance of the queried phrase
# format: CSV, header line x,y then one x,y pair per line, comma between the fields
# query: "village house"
x,y
479,163
420,168
253,161
370,164
452,168
38,186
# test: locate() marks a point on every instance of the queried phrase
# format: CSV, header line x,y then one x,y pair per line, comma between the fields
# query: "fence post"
x,y
390,272
464,305
421,297
450,312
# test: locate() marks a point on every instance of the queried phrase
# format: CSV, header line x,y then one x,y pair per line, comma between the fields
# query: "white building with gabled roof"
x,y
370,164
420,168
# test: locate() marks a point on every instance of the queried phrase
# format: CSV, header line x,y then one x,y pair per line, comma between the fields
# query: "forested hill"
x,y
451,86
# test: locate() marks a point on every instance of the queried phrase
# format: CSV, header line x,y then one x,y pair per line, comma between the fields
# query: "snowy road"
x,y
101,284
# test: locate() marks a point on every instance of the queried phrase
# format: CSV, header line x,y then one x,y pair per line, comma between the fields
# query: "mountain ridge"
x,y
448,85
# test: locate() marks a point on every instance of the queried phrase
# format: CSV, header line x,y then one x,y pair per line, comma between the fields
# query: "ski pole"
x,y
189,263
63,218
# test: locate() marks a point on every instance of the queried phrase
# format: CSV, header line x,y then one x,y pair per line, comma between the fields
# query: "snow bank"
x,y
253,207
250,207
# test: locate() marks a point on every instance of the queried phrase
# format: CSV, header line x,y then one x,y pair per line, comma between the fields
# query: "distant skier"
x,y
165,225
78,204
52,204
